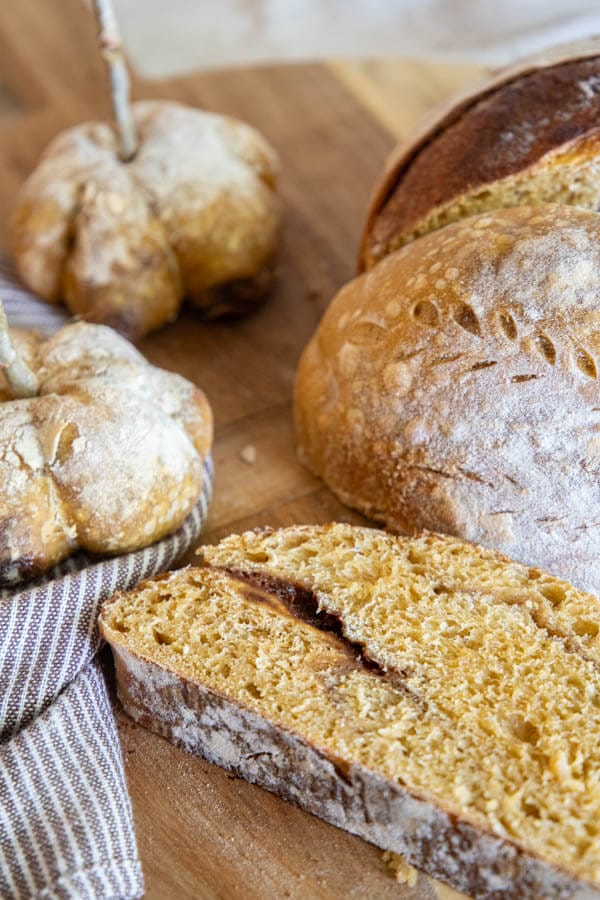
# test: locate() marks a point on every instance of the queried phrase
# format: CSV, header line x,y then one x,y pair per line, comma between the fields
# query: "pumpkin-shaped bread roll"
x,y
108,456
194,214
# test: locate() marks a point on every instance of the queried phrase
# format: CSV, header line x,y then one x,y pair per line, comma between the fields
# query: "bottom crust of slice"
x,y
342,793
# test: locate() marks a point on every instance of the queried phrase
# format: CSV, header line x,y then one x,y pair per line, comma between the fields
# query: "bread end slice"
x,y
206,723
425,694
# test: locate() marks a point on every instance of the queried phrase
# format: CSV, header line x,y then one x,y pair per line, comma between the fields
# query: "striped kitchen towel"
x,y
66,826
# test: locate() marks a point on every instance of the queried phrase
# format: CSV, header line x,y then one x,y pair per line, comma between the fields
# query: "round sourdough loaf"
x,y
529,135
454,387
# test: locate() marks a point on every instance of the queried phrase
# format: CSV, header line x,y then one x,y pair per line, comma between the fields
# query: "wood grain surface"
x,y
201,833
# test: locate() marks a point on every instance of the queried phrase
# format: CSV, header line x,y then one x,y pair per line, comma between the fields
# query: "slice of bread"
x,y
426,694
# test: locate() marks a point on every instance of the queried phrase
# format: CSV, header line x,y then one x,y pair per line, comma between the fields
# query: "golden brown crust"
x,y
108,458
522,119
123,244
455,387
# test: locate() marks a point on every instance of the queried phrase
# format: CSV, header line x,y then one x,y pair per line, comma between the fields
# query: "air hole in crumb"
x,y
466,318
546,347
161,638
519,379
531,809
485,364
425,312
258,556
253,690
523,730
585,363
309,553
555,593
416,556
508,325
473,643
121,626
584,627
296,540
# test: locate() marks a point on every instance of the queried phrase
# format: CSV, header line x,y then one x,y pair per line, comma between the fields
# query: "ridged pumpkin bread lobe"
x,y
454,387
531,139
426,694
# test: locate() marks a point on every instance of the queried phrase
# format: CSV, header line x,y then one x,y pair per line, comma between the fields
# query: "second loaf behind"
x,y
528,135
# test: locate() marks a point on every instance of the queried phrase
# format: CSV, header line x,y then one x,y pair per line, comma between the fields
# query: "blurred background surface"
x,y
167,37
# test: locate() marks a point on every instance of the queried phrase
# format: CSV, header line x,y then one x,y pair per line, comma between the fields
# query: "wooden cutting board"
x,y
202,833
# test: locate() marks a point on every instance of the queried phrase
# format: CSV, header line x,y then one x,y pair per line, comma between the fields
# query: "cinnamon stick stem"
x,y
22,382
111,49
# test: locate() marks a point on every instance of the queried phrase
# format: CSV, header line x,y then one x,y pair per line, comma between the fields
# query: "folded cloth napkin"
x,y
66,826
